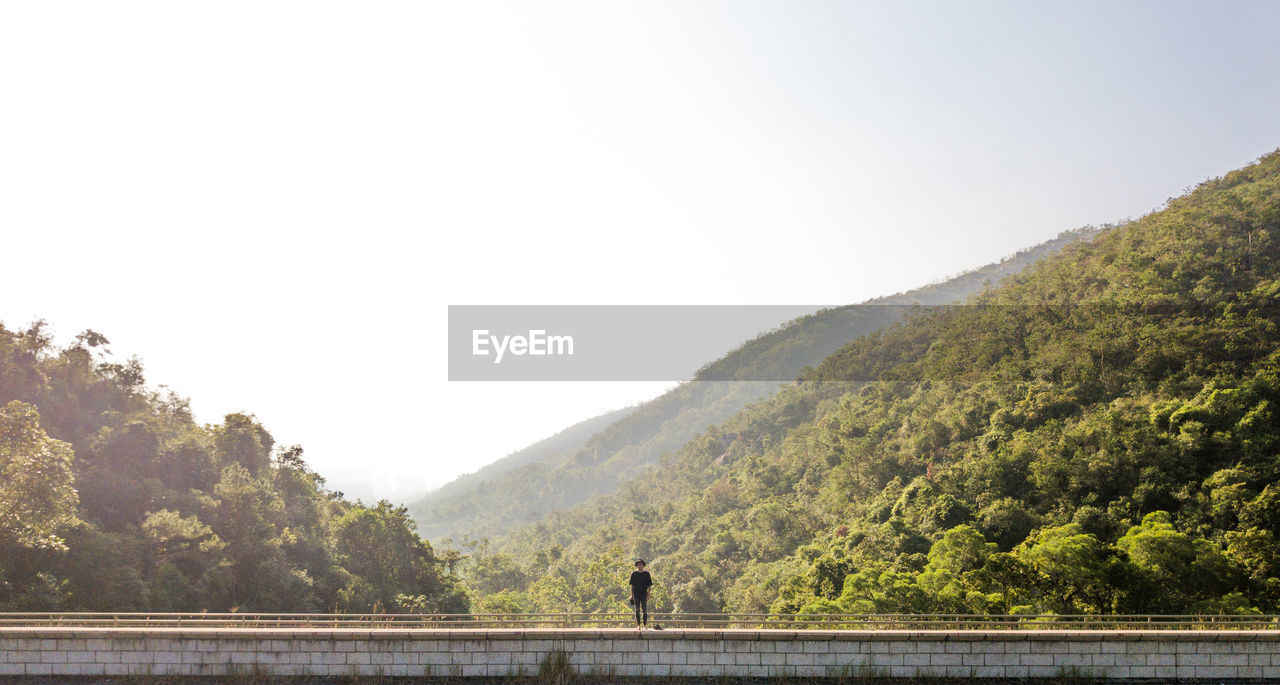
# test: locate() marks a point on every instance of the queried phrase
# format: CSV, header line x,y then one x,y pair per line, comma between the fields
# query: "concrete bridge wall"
x,y
1208,655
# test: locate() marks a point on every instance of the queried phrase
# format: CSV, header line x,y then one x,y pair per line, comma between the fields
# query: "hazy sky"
x,y
272,203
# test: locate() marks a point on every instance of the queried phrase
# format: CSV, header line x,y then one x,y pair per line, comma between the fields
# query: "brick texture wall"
x,y
1207,655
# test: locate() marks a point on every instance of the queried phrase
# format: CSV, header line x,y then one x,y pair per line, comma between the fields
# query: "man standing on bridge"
x,y
640,584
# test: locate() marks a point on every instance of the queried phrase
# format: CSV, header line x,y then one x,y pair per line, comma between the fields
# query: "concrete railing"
x,y
672,620
701,653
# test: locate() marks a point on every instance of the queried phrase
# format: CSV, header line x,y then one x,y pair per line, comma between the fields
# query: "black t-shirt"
x,y
640,583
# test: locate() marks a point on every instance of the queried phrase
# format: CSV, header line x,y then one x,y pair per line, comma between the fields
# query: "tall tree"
x,y
37,498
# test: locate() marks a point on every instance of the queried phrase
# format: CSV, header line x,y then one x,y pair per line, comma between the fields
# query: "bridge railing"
x,y
666,620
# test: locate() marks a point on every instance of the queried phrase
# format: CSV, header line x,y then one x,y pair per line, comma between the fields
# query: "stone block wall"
x,y
1204,655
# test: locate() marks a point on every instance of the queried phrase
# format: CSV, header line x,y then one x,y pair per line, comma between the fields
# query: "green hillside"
x,y
1101,433
112,498
560,472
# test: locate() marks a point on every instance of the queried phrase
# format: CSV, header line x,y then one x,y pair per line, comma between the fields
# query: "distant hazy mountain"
x,y
594,456
568,440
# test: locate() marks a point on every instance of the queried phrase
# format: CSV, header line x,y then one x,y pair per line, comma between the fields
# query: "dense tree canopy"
x,y
113,498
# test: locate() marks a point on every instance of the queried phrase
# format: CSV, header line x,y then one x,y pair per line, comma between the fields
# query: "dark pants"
x,y
641,602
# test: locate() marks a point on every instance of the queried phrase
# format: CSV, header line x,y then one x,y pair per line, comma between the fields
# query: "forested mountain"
x,y
561,472
1101,433
113,498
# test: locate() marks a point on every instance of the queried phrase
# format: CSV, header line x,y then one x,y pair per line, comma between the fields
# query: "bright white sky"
x,y
272,203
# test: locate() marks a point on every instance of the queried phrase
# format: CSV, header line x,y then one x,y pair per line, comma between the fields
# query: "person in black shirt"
x,y
640,584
